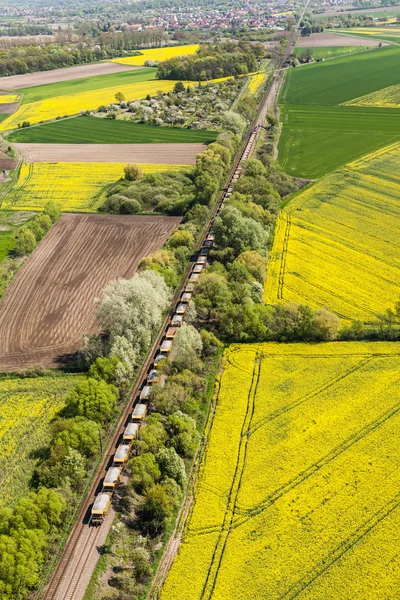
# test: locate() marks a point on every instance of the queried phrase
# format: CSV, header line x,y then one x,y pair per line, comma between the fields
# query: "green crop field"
x,y
86,84
27,406
315,140
340,80
319,136
90,130
330,51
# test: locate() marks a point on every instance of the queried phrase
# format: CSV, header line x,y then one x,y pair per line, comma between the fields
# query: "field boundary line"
x,y
219,549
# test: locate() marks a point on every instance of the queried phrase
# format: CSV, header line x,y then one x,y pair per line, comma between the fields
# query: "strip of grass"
x,y
93,130
330,51
74,86
7,243
337,81
317,140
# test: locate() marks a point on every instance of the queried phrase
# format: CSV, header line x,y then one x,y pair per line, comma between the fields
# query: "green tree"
x,y
183,434
133,172
53,210
157,509
179,87
233,230
188,347
254,263
144,472
105,368
171,465
26,242
119,97
93,399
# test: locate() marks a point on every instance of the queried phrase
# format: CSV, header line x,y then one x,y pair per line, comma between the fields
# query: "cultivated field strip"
x,y
51,302
15,82
157,154
26,406
75,186
328,251
327,471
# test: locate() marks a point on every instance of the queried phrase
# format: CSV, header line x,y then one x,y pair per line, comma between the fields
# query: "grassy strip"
x,y
330,51
88,130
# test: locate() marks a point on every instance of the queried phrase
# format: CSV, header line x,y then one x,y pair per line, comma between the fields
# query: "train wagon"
x,y
170,333
198,267
194,277
139,413
153,376
176,321
181,309
204,252
100,508
160,357
202,260
145,392
186,297
166,346
121,455
112,478
131,432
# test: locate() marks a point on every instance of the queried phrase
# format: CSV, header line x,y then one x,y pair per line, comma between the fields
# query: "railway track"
x,y
79,555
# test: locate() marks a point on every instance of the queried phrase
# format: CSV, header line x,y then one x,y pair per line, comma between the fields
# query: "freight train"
x,y
102,502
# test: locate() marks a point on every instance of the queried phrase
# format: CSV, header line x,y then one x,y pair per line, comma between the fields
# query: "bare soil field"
x,y
8,109
322,40
15,82
158,154
51,302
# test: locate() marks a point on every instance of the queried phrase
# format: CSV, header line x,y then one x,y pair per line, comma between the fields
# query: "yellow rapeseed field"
x,y
76,186
337,243
51,108
298,492
157,54
388,97
26,406
8,99
256,82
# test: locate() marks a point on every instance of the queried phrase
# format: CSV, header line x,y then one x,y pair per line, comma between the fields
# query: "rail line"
x,y
66,580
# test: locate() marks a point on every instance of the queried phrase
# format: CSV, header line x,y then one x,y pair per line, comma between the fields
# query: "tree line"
x,y
213,61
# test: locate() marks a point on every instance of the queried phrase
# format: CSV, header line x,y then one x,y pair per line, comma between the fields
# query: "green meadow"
x,y
94,130
331,51
75,86
319,136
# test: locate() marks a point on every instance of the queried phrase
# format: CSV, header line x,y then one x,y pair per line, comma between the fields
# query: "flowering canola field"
x,y
60,106
298,492
9,99
256,82
388,97
26,407
157,54
75,186
336,243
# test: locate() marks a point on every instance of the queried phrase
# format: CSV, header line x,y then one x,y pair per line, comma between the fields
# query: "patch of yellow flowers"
x,y
51,108
388,97
9,99
336,243
256,82
76,186
27,406
157,54
310,509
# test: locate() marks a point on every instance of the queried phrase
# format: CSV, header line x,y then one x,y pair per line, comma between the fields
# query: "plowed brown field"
x,y
51,302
